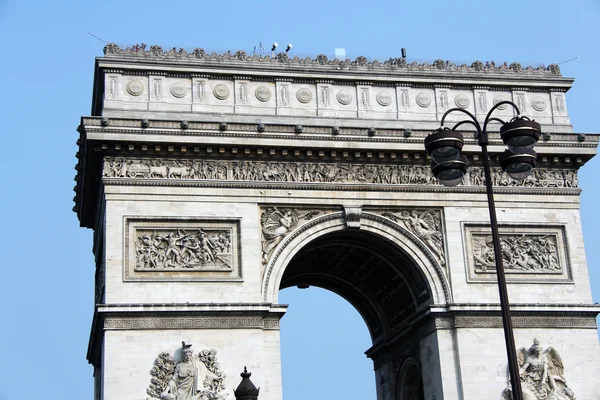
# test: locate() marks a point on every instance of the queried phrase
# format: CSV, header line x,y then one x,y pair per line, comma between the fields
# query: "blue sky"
x,y
46,72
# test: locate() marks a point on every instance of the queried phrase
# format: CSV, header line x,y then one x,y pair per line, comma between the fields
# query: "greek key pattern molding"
x,y
518,322
234,322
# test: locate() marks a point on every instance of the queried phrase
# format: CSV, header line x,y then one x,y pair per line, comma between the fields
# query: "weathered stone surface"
x,y
214,180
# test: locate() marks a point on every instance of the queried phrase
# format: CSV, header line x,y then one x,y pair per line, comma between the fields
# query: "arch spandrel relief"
x,y
371,223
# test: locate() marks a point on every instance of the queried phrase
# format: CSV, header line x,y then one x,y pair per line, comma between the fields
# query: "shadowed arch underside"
x,y
375,276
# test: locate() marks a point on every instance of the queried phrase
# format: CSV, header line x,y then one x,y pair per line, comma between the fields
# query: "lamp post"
x,y
449,166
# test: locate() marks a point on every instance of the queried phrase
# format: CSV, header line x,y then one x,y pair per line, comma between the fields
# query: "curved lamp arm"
x,y
489,114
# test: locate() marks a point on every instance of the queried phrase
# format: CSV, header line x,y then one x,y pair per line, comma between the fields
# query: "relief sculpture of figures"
x,y
522,253
426,225
310,172
190,378
542,375
178,249
276,224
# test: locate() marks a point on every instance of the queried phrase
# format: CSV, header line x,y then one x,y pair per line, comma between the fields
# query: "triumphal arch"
x,y
212,181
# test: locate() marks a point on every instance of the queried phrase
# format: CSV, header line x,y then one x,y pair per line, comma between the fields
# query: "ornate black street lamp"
x,y
449,166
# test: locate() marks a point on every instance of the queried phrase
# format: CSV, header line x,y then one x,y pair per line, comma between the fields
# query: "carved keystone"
x,y
352,217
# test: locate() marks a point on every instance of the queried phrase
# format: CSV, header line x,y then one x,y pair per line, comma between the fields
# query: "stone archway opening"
x,y
323,339
380,281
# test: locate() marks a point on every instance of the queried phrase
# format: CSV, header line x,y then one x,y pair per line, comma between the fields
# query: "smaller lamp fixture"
x,y
520,134
444,145
450,173
518,165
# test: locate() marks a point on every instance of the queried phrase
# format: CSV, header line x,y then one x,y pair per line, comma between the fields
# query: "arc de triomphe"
x,y
213,181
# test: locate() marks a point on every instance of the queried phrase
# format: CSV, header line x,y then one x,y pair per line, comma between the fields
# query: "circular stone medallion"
x,y
221,91
344,97
135,88
462,101
304,95
498,99
179,90
384,98
423,100
263,93
538,103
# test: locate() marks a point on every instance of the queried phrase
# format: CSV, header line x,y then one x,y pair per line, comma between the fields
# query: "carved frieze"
x,y
542,375
171,249
528,253
186,376
311,172
425,225
276,223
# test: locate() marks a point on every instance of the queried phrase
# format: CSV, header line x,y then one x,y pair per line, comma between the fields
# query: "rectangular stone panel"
x,y
530,253
158,249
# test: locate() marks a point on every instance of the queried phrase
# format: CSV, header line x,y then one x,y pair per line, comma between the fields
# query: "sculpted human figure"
x,y
541,372
190,379
418,224
276,225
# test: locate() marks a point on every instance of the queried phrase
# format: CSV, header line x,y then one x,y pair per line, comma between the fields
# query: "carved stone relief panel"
x,y
181,249
242,97
481,102
404,99
542,374
113,87
185,375
426,225
529,253
199,87
157,94
276,223
320,173
179,89
135,88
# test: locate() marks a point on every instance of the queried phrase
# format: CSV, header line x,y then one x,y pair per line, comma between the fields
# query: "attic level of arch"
x,y
492,83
